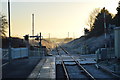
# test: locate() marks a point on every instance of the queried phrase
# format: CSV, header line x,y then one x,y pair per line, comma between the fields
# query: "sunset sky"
x,y
57,17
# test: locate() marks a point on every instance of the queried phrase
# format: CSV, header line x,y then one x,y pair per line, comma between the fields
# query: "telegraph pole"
x,y
32,24
68,34
73,35
49,36
10,58
105,27
40,40
105,32
40,43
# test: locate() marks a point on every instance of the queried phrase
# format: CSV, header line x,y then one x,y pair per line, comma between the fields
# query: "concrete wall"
x,y
117,42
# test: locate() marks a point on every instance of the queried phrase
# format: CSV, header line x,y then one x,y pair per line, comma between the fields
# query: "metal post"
x,y
68,34
32,24
40,39
28,46
40,44
10,58
73,35
49,36
105,32
85,41
105,27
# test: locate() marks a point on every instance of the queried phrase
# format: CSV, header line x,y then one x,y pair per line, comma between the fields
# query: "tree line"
x,y
3,25
96,22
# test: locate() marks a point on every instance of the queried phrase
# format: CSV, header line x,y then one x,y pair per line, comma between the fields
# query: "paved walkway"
x,y
45,69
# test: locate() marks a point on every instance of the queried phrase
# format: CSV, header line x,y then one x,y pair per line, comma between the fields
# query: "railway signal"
x,y
26,37
37,38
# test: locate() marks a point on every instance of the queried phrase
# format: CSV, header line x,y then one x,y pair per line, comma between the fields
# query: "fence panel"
x,y
19,53
24,52
15,52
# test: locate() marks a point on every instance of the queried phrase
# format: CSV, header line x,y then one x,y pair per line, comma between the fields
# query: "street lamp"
x,y
10,58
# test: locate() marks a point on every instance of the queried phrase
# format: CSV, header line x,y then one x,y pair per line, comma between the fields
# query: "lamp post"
x,y
32,24
10,58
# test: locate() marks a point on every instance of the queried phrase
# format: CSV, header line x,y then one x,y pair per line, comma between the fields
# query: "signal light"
x,y
26,37
37,38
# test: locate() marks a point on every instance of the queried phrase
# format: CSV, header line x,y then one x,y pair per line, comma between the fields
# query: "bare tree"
x,y
3,25
92,18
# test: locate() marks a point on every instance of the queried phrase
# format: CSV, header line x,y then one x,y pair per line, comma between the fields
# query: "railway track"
x,y
63,65
82,70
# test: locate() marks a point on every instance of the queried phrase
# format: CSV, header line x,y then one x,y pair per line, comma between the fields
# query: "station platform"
x,y
45,69
19,68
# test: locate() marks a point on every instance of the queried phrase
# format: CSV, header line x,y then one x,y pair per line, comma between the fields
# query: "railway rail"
x,y
87,74
63,65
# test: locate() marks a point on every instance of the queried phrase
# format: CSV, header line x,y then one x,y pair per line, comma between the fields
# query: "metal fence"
x,y
15,53
40,52
105,53
23,52
19,53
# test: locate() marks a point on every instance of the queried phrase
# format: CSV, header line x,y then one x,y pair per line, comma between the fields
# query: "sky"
x,y
57,17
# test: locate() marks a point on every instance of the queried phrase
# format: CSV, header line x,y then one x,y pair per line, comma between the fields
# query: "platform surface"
x,y
45,69
20,68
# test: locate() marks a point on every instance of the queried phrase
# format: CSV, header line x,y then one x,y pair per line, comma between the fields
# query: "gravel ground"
x,y
75,72
113,65
59,73
98,73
